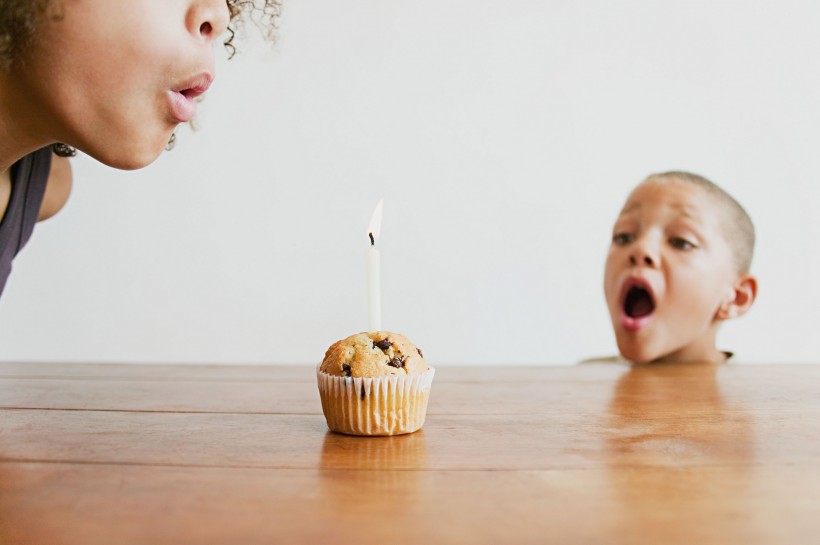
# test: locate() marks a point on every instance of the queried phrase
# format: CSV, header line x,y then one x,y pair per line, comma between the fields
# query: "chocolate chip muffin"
x,y
376,354
375,383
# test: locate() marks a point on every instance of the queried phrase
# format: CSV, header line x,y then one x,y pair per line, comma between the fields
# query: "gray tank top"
x,y
29,176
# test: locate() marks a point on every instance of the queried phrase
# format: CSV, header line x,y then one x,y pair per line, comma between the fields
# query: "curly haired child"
x,y
112,79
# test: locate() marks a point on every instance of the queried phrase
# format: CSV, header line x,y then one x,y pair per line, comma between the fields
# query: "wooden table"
x,y
595,453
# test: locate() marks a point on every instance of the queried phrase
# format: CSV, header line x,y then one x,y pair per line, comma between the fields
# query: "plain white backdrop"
x,y
503,137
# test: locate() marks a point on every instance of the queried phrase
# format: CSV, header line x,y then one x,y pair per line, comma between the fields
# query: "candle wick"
x,y
372,240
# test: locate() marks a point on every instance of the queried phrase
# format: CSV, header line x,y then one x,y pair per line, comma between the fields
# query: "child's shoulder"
x,y
730,358
606,359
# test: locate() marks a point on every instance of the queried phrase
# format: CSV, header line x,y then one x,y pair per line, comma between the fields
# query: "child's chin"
x,y
637,353
130,158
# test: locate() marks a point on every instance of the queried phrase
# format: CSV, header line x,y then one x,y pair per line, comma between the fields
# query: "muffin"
x,y
375,383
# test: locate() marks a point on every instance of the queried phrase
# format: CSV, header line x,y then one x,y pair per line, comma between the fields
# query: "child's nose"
x,y
209,18
642,256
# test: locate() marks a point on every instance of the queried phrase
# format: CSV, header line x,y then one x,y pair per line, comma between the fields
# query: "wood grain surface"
x,y
594,453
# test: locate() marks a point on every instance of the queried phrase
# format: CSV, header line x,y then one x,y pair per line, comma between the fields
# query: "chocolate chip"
x,y
419,351
398,363
346,369
363,394
384,344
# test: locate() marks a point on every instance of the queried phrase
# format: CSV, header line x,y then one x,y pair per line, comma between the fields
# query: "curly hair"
x,y
19,18
263,13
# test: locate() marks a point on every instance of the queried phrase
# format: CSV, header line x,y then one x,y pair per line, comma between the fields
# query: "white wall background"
x,y
503,137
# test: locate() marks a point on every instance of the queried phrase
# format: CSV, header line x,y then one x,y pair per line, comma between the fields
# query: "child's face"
x,y
115,78
668,271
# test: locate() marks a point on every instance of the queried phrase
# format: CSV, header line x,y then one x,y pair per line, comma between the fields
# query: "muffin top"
x,y
374,354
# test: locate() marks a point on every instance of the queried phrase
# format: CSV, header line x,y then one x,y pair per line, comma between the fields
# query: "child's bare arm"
x,y
58,188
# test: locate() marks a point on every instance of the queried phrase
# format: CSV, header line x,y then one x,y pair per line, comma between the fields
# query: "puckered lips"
x,y
182,98
637,303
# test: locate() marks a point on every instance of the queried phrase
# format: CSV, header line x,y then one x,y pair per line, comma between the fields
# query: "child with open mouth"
x,y
677,268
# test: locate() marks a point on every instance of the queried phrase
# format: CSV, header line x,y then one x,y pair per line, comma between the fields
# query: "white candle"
x,y
374,289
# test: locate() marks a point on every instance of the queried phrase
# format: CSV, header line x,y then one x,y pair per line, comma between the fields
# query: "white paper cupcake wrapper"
x,y
375,406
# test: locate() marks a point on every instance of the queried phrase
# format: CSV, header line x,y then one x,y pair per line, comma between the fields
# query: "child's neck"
x,y
20,131
702,350
5,191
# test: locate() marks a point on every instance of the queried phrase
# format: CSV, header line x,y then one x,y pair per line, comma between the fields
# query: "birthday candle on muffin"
x,y
374,295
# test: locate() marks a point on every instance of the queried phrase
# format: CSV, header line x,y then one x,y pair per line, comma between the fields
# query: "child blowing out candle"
x,y
112,79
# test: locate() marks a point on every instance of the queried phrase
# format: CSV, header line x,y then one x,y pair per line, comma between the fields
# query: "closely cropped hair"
x,y
737,225
19,18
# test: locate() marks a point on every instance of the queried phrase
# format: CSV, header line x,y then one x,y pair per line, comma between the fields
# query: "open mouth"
x,y
182,99
638,302
195,92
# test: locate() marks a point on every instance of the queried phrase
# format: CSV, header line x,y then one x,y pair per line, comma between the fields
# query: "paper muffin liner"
x,y
375,406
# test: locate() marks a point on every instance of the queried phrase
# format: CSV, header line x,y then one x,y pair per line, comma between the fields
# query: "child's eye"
x,y
681,243
622,239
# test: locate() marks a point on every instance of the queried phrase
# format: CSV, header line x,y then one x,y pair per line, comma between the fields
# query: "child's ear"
x,y
54,10
744,292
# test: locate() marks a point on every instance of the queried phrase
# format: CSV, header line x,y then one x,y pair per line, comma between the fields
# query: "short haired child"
x,y
677,268
112,79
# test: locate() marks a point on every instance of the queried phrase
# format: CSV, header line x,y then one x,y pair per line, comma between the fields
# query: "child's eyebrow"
x,y
688,211
630,207
685,210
